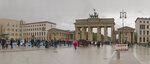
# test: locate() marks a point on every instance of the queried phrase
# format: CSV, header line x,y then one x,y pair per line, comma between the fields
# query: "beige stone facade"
x,y
142,27
11,27
81,25
126,34
59,34
37,29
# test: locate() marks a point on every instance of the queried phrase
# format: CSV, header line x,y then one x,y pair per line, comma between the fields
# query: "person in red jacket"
x,y
75,42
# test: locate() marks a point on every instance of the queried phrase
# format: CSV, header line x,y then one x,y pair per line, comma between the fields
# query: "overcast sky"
x,y
64,12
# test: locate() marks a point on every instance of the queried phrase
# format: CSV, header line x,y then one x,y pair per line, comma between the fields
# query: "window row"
x,y
144,32
35,34
144,39
13,30
35,25
14,34
144,26
144,21
13,25
35,29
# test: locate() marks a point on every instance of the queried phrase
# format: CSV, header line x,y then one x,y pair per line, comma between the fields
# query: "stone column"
x,y
133,37
90,34
129,36
112,34
105,33
98,33
77,33
83,33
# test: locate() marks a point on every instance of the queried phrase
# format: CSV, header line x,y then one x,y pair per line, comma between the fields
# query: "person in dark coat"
x,y
3,43
32,42
18,43
46,44
98,44
11,43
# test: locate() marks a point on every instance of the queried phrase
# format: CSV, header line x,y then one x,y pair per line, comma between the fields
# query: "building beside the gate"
x,y
37,30
11,27
142,28
58,34
126,34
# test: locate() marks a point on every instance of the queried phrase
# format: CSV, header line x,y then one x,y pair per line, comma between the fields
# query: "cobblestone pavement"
x,y
60,55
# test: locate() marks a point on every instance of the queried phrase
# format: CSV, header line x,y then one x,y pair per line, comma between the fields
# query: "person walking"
x,y
46,44
18,43
3,43
32,42
24,44
75,43
98,44
7,43
11,43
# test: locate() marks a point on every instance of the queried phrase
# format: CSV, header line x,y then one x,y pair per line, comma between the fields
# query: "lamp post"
x,y
123,17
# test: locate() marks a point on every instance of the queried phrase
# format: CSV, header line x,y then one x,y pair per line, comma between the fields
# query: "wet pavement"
x,y
142,54
60,55
68,55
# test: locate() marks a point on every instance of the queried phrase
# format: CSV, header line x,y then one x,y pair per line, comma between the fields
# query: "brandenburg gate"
x,y
81,25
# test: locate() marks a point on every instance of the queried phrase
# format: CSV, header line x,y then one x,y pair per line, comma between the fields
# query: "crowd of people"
x,y
6,43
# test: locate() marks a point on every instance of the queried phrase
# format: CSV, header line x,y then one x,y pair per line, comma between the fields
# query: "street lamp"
x,y
123,17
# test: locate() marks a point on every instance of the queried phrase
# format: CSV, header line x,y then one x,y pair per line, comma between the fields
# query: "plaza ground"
x,y
68,55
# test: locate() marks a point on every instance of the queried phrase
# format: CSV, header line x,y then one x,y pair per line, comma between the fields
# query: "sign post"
x,y
120,47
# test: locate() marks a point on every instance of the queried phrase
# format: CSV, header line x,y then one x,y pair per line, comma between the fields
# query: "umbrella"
x,y
37,39
29,43
75,41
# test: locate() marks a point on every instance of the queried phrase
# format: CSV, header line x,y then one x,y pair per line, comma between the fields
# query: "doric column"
x,y
98,33
77,33
84,33
112,34
90,34
105,33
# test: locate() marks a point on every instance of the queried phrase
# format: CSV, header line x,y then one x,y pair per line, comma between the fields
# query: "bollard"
x,y
118,55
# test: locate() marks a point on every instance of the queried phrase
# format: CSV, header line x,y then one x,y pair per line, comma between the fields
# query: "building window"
x,y
16,30
147,26
140,21
13,25
16,34
140,32
147,32
147,21
143,39
39,33
42,33
43,29
12,29
8,29
147,39
143,21
140,39
12,34
8,24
